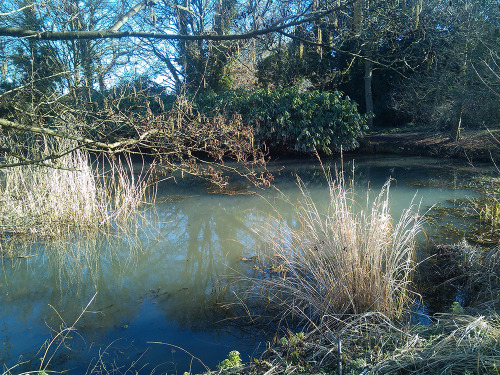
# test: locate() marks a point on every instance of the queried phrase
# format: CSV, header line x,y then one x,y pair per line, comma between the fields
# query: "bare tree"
x,y
89,39
446,89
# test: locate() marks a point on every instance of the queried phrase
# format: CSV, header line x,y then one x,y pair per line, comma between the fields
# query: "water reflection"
x,y
160,280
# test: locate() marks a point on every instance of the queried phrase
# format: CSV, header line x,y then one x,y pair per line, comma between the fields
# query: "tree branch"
x,y
41,161
132,12
353,54
113,147
17,10
167,61
5,93
113,33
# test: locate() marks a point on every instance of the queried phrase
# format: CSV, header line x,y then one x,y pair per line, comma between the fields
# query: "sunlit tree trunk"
x,y
368,90
462,78
360,13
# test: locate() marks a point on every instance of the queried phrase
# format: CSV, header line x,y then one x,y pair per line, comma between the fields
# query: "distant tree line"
x,y
112,68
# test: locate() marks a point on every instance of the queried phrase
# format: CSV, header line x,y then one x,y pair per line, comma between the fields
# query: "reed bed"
x,y
67,193
338,258
345,269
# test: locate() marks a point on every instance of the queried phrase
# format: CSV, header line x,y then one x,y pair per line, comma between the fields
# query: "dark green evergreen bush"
x,y
292,120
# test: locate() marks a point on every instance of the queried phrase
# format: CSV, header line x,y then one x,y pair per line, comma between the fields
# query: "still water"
x,y
159,289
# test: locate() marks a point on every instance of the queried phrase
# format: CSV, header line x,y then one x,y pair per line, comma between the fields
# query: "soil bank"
x,y
473,145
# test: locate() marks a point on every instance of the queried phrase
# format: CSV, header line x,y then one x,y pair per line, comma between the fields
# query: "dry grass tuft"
x,y
371,344
339,259
71,193
473,270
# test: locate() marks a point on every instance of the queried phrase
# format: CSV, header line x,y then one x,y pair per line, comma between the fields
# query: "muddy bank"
x,y
475,145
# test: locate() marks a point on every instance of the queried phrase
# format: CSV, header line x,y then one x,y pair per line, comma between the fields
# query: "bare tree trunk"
x,y
462,78
100,79
457,126
361,11
368,90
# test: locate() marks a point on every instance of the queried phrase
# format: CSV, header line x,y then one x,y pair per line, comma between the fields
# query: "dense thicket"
x,y
428,61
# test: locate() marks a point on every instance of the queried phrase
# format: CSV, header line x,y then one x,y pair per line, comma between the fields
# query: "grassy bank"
x,y
456,340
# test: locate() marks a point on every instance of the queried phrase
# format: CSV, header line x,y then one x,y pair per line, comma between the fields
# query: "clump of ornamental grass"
x,y
339,258
67,193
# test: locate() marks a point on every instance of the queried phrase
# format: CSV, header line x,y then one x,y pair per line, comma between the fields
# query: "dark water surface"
x,y
161,282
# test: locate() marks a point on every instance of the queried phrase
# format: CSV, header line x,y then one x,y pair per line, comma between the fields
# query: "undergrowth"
x,y
344,272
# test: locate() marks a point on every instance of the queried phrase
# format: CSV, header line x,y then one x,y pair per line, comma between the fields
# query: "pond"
x,y
160,293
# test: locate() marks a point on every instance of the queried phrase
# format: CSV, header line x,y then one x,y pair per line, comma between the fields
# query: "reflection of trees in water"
x,y
373,170
65,274
198,253
177,264
172,265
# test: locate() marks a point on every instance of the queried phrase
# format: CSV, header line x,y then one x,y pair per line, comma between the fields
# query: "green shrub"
x,y
286,118
456,308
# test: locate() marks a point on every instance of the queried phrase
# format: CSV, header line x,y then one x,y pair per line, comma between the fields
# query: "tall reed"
x,y
72,192
339,258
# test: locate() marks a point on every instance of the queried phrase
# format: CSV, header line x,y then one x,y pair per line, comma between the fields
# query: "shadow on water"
x,y
160,279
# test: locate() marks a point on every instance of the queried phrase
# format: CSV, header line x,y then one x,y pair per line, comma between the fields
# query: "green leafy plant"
x,y
293,120
233,360
456,308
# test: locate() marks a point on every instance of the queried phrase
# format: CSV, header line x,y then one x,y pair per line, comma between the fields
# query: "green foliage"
x,y
278,69
283,341
456,308
293,347
233,360
293,120
36,62
355,366
216,74
293,339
